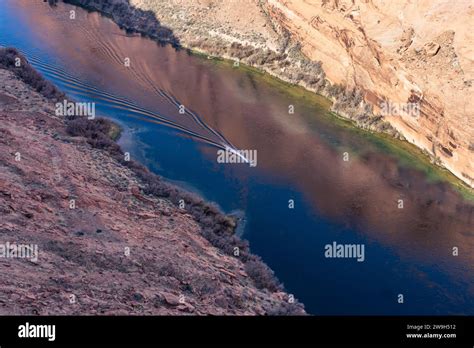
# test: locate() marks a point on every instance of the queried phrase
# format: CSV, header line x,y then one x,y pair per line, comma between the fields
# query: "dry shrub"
x,y
216,227
26,73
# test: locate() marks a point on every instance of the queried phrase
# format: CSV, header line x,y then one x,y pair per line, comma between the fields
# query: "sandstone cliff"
x,y
401,52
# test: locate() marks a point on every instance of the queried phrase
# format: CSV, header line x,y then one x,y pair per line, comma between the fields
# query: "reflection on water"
x,y
300,158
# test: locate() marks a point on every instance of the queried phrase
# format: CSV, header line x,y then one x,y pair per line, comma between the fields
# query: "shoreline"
x,y
352,109
218,228
403,148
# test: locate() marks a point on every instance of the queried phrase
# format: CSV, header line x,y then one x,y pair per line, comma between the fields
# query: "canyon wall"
x,y
398,52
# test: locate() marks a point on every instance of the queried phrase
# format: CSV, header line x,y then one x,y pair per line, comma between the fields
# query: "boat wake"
x,y
198,129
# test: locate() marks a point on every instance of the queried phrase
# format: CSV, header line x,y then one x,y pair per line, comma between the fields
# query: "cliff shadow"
x,y
129,18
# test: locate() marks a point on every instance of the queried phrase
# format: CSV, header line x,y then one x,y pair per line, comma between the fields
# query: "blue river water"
x,y
299,160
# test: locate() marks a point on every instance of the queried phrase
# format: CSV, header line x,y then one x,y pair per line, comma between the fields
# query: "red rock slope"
x,y
119,251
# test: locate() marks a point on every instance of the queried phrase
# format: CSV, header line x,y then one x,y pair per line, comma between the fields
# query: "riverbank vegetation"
x,y
359,123
12,60
216,227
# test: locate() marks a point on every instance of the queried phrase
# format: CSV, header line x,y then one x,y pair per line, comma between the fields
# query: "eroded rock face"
x,y
400,52
104,247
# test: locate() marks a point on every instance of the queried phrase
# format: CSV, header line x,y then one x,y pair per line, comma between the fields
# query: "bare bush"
x,y
96,132
216,227
262,275
285,309
9,57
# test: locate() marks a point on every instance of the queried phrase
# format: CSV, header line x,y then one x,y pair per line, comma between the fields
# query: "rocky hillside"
x,y
361,54
110,238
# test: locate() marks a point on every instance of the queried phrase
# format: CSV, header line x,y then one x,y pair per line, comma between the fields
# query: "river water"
x,y
408,250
